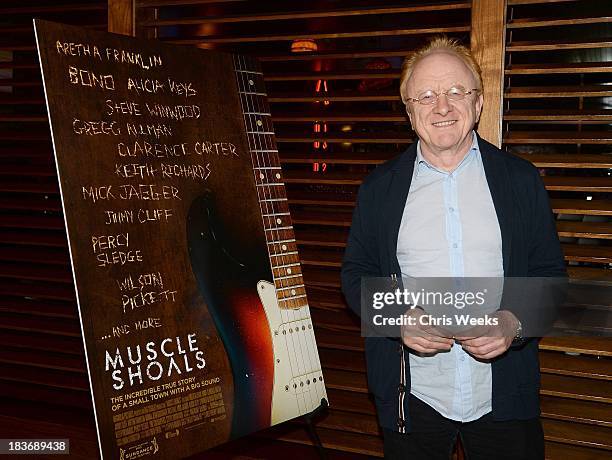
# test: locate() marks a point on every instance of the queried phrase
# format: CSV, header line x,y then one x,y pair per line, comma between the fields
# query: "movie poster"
x,y
191,299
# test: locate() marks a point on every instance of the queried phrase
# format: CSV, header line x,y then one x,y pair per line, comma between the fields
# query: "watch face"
x,y
519,332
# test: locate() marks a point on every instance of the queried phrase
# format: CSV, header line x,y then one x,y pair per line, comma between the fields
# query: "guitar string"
x,y
258,173
243,89
262,176
298,318
304,318
309,343
261,190
278,192
306,336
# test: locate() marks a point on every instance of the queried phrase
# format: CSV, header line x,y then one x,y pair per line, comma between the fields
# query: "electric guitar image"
x,y
260,309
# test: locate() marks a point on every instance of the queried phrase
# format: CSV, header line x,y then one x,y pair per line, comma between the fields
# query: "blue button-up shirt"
x,y
449,229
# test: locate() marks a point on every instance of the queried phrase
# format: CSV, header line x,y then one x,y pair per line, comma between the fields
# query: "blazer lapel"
x,y
501,190
393,207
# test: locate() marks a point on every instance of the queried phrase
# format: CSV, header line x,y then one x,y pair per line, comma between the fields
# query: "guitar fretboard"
x,y
280,237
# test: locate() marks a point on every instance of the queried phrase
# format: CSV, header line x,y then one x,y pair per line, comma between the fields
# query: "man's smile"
x,y
442,124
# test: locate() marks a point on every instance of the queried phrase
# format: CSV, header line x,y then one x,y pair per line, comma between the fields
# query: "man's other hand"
x,y
487,342
423,338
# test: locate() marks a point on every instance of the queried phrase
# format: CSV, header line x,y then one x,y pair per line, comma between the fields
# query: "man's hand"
x,y
491,341
422,338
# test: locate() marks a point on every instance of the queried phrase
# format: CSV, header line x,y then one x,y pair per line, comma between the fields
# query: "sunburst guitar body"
x,y
260,310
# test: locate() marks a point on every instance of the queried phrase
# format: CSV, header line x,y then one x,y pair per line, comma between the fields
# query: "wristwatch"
x,y
518,336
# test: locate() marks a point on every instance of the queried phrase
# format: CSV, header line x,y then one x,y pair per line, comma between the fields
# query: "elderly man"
x,y
452,205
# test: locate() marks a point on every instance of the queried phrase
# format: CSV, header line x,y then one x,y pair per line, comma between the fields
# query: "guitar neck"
x,y
271,193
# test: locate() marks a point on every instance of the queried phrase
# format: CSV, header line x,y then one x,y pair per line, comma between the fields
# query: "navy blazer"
x,y
530,247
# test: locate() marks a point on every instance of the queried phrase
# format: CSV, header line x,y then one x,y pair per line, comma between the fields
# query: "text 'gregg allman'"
x,y
112,128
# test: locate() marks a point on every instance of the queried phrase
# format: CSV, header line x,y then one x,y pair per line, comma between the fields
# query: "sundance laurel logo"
x,y
139,450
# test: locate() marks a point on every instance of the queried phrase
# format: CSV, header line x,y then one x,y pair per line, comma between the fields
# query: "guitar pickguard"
x,y
293,391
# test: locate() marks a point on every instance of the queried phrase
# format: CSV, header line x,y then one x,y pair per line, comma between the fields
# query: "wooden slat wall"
x,y
43,381
558,65
487,45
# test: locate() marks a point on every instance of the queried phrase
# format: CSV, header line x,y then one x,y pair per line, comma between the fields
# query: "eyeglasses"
x,y
429,97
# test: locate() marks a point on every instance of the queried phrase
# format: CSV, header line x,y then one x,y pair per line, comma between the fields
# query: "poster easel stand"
x,y
312,430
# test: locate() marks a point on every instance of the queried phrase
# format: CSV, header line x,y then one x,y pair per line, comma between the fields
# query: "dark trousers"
x,y
433,437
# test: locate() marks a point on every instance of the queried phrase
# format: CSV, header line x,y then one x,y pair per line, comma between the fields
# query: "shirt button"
x,y
455,245
401,423
401,388
451,209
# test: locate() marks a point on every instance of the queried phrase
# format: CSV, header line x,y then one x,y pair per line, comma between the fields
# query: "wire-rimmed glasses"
x,y
430,97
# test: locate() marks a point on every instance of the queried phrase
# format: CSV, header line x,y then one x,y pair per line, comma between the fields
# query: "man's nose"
x,y
442,106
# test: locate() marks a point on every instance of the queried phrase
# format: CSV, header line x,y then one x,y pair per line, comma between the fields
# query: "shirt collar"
x,y
421,164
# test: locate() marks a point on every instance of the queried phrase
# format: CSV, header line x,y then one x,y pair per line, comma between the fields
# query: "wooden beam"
x,y
356,32
487,43
298,13
121,17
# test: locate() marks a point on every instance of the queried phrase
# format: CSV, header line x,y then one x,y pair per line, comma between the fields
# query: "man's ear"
x,y
479,105
409,113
